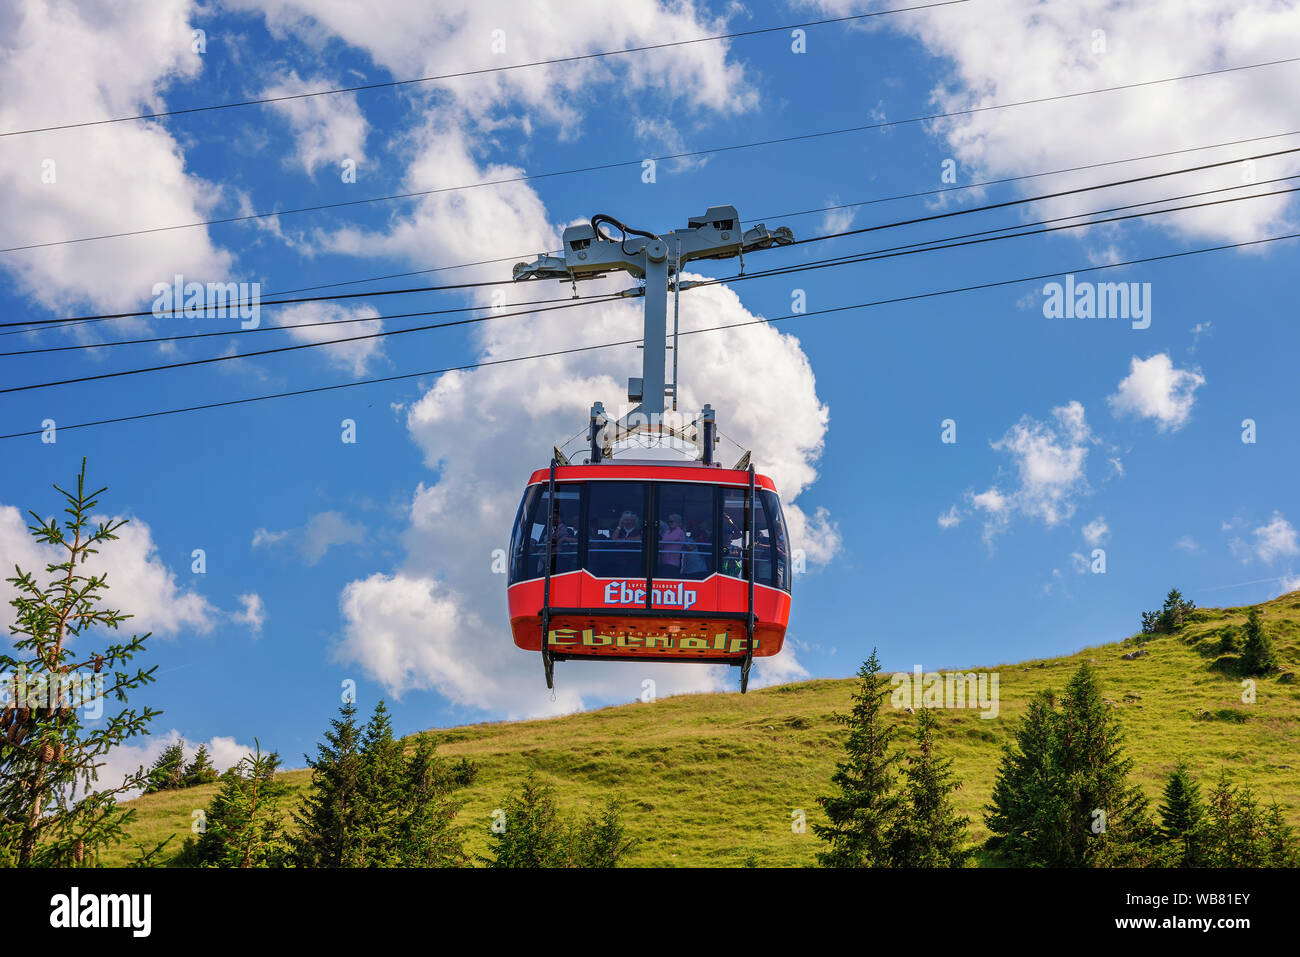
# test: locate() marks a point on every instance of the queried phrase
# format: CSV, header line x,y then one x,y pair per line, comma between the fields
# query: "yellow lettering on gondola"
x,y
554,637
720,642
738,644
592,640
691,643
629,641
659,641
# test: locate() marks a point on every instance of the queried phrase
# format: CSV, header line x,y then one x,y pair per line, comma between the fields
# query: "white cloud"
x,y
1188,544
253,613
1276,539
312,540
417,39
1004,51
304,324
1096,532
106,178
139,583
327,129
1050,467
951,518
1154,389
837,220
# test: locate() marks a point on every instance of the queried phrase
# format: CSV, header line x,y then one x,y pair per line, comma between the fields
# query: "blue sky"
x,y
370,561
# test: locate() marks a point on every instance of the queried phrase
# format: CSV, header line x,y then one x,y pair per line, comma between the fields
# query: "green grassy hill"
x,y
713,779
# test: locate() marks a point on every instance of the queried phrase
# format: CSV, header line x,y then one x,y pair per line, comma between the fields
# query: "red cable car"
x,y
650,560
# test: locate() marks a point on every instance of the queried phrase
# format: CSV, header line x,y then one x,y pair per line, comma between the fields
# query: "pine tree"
x,y
1238,833
330,814
1171,617
1181,814
383,796
243,823
1062,797
862,812
1095,773
532,834
1281,849
199,771
427,835
53,813
928,832
601,841
1025,813
168,770
1258,657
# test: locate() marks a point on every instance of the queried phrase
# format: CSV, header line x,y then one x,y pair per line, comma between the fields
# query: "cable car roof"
x,y
625,470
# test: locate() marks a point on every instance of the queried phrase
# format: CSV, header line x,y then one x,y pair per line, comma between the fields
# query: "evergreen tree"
x,y
531,832
53,810
427,835
243,823
168,770
199,771
1095,773
1169,618
1238,833
1025,813
534,834
1062,797
329,818
601,841
1258,656
1281,849
862,813
382,797
1181,814
369,805
928,832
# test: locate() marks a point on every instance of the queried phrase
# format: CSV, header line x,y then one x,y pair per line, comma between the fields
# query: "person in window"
x,y
671,545
697,546
628,528
562,532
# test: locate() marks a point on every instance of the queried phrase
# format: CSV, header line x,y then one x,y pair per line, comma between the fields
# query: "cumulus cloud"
x,y
1096,532
324,321
326,129
1004,51
1155,390
455,36
252,612
98,179
1275,539
139,583
312,540
1049,460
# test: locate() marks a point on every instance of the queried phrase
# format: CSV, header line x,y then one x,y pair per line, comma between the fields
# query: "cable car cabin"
x,y
649,561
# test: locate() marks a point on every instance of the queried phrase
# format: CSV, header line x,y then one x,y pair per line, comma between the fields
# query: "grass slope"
x,y
713,779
